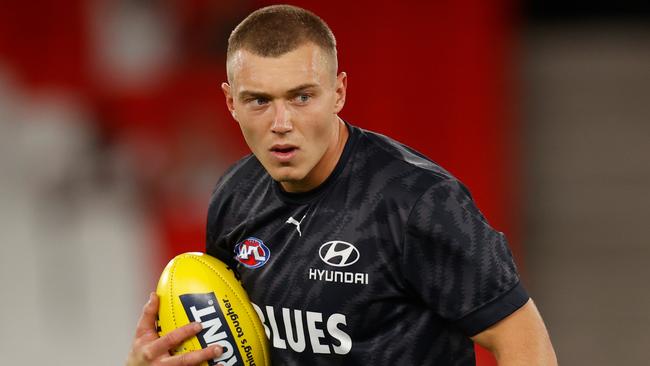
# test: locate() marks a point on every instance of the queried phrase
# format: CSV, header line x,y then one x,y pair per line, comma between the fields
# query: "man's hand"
x,y
150,350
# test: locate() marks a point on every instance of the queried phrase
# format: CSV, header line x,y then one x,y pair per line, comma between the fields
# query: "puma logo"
x,y
293,221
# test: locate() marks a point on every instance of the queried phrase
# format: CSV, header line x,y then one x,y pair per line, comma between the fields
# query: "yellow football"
x,y
198,287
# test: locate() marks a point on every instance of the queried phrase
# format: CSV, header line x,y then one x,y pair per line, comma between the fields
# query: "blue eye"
x,y
303,98
260,101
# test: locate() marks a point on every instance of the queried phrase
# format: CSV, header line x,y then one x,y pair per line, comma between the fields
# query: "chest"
x,y
320,256
318,273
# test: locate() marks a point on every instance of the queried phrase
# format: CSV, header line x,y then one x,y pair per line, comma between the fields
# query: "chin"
x,y
287,179
287,175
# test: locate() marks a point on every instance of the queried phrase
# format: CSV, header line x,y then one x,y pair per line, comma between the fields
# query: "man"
x,y
354,249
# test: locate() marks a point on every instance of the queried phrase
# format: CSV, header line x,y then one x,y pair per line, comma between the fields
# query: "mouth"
x,y
283,152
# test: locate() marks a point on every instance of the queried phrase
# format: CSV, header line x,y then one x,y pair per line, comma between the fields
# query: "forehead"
x,y
306,64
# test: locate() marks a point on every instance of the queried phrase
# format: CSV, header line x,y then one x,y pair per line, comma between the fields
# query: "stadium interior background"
x,y
113,131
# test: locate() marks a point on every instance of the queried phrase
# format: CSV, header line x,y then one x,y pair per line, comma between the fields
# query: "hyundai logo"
x,y
338,253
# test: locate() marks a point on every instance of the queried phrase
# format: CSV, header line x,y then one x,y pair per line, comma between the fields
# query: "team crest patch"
x,y
252,253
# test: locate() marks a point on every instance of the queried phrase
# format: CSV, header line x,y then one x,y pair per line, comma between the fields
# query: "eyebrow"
x,y
255,94
300,88
244,94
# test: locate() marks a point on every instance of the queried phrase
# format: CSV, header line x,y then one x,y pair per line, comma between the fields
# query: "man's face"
x,y
287,109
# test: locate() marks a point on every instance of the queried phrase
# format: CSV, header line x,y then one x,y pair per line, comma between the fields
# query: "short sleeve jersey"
x,y
387,262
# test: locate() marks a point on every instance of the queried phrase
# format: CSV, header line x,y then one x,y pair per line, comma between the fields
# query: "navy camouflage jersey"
x,y
387,262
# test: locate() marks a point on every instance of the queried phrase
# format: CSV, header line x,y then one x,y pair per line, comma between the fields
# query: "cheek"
x,y
251,136
250,123
320,136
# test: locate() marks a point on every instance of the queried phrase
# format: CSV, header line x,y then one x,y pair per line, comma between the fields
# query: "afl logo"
x,y
252,253
338,253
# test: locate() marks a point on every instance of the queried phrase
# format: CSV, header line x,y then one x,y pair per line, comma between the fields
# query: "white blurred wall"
x,y
75,258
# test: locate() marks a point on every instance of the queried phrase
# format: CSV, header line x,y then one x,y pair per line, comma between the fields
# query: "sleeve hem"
x,y
496,310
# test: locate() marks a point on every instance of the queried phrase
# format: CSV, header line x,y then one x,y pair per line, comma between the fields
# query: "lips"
x,y
283,152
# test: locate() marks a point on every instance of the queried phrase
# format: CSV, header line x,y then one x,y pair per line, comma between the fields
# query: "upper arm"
x,y
519,339
457,263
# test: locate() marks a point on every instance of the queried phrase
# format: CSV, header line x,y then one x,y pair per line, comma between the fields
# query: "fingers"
x,y
148,349
195,357
172,339
147,322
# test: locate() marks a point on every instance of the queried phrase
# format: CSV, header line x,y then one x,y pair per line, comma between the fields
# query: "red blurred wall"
x,y
435,75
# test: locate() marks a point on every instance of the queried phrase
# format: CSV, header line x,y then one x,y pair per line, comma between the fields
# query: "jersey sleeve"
x,y
219,223
216,244
458,265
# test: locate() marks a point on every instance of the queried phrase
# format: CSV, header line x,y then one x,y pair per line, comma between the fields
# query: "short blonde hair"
x,y
275,30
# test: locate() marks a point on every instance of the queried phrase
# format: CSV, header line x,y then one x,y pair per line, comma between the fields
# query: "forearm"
x,y
520,339
536,353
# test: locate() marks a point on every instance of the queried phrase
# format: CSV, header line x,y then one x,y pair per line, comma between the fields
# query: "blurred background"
x,y
113,131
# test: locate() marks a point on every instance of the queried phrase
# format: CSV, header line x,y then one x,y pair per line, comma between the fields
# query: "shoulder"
x,y
404,154
231,196
237,179
397,167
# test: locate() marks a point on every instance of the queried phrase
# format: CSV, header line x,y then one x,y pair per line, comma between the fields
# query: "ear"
x,y
341,87
230,102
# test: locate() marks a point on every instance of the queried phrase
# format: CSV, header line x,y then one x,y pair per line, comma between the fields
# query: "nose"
x,y
281,119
